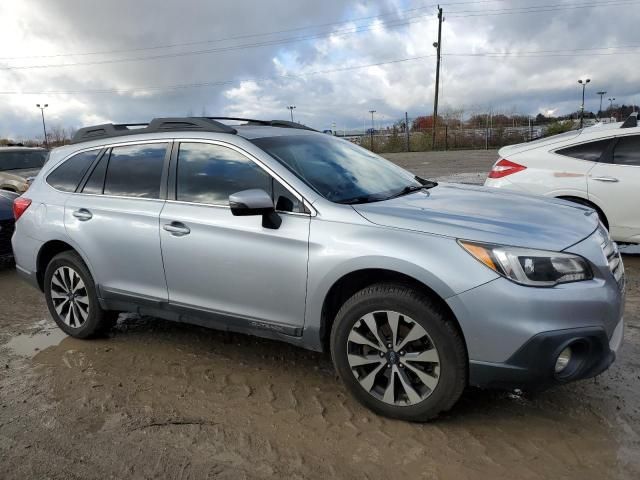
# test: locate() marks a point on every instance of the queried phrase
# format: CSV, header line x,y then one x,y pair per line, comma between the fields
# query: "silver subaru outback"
x,y
270,228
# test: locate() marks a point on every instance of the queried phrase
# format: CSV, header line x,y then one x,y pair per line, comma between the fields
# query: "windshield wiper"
x,y
426,184
361,199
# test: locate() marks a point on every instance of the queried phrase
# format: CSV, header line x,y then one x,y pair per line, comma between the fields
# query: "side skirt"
x,y
143,305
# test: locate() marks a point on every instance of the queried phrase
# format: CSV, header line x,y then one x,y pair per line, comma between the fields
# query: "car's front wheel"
x,y
71,297
399,353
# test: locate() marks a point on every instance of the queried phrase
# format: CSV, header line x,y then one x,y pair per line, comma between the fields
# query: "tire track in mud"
x,y
175,401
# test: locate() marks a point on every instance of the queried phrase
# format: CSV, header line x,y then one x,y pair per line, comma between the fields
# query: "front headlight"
x,y
536,268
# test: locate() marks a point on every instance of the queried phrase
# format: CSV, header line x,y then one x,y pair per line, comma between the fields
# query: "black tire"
x,y
433,319
98,321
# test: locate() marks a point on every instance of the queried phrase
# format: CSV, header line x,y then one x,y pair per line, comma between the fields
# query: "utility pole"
x,y
290,108
372,112
602,94
438,46
44,128
406,130
584,85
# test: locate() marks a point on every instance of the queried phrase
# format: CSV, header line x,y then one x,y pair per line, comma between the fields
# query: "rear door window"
x,y
135,170
68,175
627,151
591,151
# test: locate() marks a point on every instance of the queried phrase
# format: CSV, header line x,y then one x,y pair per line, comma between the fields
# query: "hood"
x,y
20,175
486,215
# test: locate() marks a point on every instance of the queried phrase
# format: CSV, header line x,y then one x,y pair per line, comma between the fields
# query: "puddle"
x,y
28,345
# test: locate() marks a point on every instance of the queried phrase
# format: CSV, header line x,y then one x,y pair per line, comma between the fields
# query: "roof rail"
x,y
631,121
267,123
168,124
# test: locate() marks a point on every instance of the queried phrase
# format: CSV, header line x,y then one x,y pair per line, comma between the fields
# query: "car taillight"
x,y
20,206
505,167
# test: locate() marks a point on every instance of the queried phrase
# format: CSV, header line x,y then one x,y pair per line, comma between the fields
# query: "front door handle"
x,y
83,214
606,179
177,229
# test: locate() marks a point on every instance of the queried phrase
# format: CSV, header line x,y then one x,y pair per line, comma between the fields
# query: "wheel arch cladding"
x,y
46,253
349,284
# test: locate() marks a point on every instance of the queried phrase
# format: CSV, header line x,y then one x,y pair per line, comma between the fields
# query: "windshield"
x,y
338,170
22,159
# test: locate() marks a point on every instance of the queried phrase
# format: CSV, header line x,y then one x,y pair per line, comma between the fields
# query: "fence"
x,y
447,138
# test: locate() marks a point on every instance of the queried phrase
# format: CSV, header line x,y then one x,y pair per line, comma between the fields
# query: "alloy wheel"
x,y
393,358
70,297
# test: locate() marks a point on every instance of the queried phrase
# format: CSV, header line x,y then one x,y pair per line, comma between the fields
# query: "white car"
x,y
597,166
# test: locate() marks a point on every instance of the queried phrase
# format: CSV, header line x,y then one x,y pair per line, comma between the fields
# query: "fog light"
x,y
563,360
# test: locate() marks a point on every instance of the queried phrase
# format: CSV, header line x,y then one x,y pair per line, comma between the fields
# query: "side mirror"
x,y
255,202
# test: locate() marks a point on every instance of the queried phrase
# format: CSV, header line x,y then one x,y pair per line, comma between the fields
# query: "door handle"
x,y
83,214
177,229
606,179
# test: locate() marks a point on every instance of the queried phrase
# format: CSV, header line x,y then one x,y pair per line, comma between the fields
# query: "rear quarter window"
x,y
590,151
68,175
627,151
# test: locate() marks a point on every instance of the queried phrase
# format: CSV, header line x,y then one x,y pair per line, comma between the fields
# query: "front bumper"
x,y
532,366
514,333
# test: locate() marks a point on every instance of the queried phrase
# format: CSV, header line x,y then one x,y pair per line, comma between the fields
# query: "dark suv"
x,y
18,165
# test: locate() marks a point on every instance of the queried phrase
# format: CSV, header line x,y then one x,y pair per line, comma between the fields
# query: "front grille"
x,y
6,230
612,254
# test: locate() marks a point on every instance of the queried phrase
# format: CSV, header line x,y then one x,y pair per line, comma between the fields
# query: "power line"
x,y
399,13
218,40
542,55
351,30
212,84
539,53
539,9
411,20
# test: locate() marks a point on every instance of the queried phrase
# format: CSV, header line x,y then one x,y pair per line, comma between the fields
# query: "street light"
x,y
372,112
611,100
290,108
602,94
584,84
44,128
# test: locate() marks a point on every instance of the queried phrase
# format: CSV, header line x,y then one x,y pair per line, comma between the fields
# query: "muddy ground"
x,y
163,400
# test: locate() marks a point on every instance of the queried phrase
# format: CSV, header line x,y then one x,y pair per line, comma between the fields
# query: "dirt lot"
x,y
163,400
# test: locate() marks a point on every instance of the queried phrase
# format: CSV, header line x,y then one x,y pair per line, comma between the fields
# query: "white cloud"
x,y
529,85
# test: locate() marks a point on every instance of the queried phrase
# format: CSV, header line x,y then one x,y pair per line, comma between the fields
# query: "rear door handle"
x,y
177,229
83,214
605,179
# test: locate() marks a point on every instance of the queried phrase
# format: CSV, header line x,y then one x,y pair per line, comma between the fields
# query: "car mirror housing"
x,y
255,202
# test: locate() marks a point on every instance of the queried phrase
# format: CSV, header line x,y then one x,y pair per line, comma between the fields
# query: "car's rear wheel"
x,y
71,297
399,353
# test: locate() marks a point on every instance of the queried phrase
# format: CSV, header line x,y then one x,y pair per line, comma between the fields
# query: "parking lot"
x,y
164,400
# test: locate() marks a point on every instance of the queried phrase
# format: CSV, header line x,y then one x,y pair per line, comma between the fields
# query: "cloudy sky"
x,y
123,61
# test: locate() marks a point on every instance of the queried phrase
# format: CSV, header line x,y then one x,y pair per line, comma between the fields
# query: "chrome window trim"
x,y
227,207
88,149
285,184
101,195
257,161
